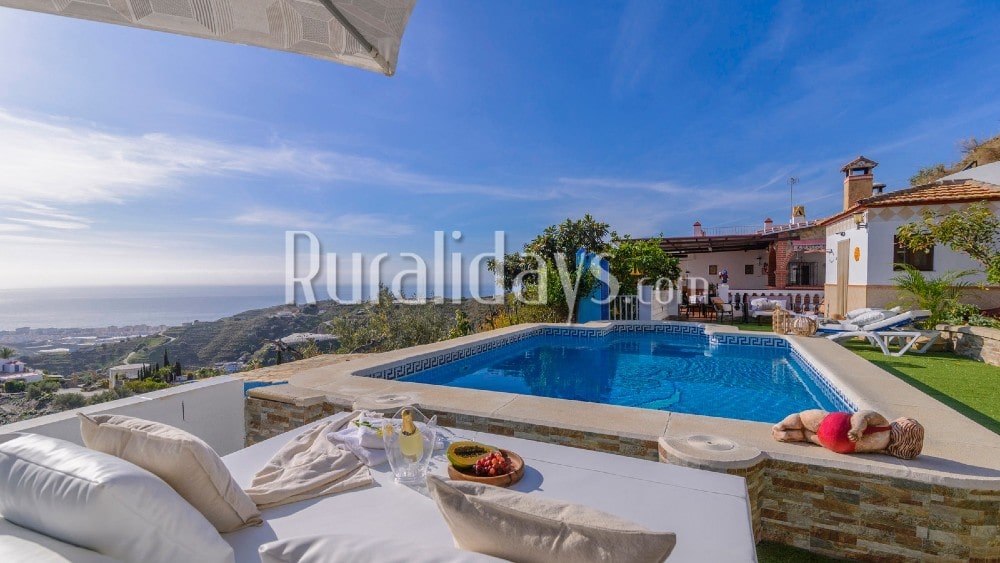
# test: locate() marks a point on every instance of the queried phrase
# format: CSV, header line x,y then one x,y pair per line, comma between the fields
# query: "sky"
x,y
131,157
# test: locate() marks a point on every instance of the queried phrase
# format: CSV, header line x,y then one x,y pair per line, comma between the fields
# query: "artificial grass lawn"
x,y
772,552
970,387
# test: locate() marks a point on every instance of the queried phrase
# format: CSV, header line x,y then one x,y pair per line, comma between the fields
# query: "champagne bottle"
x,y
411,443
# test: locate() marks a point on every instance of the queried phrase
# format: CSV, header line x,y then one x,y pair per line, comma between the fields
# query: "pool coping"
x,y
957,451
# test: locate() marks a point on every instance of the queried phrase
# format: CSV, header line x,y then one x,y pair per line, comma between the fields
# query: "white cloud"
x,y
362,224
50,223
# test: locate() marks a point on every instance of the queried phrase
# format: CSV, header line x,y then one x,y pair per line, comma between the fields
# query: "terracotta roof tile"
x,y
939,192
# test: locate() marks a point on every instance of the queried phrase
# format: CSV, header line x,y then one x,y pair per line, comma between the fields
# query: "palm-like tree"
x,y
938,295
6,353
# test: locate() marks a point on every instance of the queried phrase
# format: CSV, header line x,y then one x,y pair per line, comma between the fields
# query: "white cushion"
x,y
180,458
761,304
532,528
99,502
363,549
868,318
21,545
852,314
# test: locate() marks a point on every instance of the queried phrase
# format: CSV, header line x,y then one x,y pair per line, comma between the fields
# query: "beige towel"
x,y
309,466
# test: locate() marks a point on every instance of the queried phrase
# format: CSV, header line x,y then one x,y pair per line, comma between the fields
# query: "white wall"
x,y
880,270
733,261
211,409
858,271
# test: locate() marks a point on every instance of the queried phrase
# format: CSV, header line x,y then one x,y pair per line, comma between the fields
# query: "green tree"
x,y
166,359
974,231
6,353
633,260
928,174
938,295
278,360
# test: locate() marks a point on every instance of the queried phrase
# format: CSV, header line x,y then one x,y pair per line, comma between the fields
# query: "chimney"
x,y
698,231
798,214
858,180
768,223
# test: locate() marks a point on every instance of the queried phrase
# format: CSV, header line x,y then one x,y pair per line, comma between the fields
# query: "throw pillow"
x,y
100,502
183,460
531,528
363,549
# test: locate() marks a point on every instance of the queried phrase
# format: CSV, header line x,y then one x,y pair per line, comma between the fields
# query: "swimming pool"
x,y
756,378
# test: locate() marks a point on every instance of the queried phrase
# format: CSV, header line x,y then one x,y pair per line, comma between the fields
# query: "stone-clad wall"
x,y
976,342
866,516
270,411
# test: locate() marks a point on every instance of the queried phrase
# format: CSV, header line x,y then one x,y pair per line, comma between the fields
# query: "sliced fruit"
x,y
464,455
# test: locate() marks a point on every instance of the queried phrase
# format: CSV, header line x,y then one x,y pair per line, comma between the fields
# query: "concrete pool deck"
x,y
943,504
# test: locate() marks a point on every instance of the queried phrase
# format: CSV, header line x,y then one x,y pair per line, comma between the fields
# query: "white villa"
x,y
846,258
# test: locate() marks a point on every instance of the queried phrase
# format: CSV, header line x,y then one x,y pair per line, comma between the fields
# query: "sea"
x,y
95,307
98,307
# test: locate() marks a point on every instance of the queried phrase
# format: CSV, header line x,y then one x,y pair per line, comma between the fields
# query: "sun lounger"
x,y
883,334
889,321
708,511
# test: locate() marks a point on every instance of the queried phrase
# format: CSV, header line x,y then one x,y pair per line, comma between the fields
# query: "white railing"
x,y
624,308
797,299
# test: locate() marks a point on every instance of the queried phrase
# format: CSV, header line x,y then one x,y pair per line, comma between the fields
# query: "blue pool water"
x,y
670,372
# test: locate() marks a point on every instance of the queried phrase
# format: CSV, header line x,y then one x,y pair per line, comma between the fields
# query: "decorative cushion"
x,y
761,304
869,318
183,460
363,549
100,502
21,545
531,528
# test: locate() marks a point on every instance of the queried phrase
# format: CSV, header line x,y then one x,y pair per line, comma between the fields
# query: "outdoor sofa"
x,y
709,512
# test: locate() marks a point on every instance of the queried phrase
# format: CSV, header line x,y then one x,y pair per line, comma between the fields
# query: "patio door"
x,y
843,271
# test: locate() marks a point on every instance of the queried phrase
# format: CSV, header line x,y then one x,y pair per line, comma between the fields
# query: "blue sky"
x,y
135,157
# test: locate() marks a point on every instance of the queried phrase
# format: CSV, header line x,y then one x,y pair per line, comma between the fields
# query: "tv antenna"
x,y
791,203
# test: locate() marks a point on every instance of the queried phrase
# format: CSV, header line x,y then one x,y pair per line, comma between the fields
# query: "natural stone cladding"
x,y
978,343
865,516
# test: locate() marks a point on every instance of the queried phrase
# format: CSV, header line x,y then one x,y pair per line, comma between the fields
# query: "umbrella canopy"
x,y
361,33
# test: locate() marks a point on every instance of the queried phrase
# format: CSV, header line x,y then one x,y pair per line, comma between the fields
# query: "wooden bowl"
x,y
506,480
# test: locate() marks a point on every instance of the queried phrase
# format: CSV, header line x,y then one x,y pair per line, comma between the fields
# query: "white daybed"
x,y
709,512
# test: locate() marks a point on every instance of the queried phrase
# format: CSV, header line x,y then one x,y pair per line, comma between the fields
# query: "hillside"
x,y
973,151
246,336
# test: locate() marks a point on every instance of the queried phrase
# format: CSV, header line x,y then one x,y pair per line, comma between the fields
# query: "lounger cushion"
x,y
21,545
102,503
532,528
872,316
762,304
183,460
339,548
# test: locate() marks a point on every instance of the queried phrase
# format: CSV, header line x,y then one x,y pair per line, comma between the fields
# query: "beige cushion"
x,y
340,548
102,503
531,528
184,461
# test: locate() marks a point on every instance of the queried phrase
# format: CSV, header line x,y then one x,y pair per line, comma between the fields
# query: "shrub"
x,y
66,401
14,386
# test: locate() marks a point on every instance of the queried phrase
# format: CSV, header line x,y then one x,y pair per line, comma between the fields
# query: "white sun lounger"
x,y
709,512
888,331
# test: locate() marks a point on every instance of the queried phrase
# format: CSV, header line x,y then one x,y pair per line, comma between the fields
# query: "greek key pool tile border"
x,y
833,394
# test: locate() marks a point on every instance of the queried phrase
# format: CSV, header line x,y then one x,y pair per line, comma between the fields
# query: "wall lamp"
x,y
860,219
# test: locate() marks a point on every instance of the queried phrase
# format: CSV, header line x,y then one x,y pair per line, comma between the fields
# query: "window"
x,y
748,269
713,270
800,273
923,261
